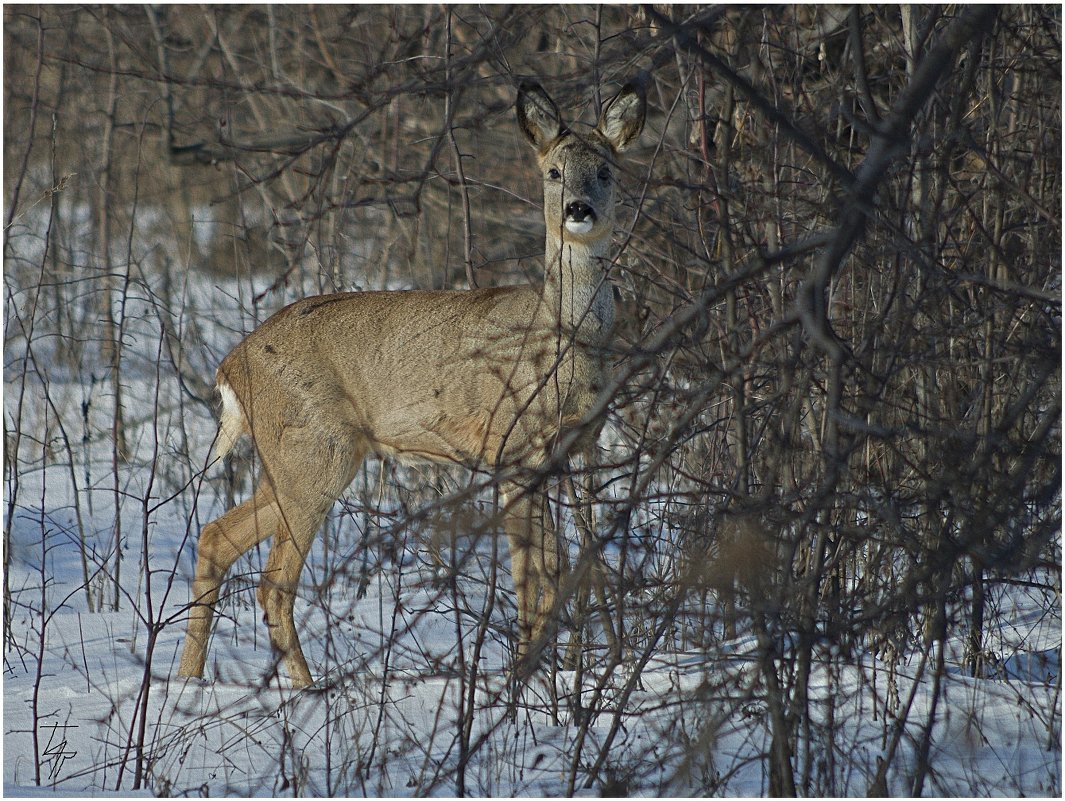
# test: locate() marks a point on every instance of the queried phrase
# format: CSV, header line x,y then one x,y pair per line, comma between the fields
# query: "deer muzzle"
x,y
579,216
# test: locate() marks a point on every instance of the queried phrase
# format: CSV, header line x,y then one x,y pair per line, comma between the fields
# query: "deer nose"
x,y
579,211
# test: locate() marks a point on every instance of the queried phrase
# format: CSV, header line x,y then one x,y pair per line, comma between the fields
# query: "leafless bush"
x,y
833,444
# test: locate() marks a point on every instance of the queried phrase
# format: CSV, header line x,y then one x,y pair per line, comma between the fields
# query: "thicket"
x,y
836,424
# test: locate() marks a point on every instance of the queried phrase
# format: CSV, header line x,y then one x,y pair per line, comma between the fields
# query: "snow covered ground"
x,y
415,696
393,723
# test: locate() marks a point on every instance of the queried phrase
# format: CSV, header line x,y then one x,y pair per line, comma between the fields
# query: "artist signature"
x,y
56,752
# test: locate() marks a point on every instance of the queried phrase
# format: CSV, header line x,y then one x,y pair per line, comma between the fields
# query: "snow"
x,y
390,722
394,611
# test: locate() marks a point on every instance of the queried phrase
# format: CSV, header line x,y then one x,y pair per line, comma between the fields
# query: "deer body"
x,y
454,402
483,377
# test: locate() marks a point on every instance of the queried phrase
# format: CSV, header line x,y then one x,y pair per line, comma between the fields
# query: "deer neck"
x,y
576,290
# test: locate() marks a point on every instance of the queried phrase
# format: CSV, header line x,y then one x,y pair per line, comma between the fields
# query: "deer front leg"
x,y
534,562
222,542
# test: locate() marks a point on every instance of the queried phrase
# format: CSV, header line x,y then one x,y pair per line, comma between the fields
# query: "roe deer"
x,y
485,376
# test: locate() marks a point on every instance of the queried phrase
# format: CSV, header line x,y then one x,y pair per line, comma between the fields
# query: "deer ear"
x,y
622,119
538,116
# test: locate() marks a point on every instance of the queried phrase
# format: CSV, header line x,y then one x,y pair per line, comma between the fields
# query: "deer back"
x,y
469,376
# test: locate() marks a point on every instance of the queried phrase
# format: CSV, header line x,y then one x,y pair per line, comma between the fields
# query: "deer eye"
x,y
604,174
554,174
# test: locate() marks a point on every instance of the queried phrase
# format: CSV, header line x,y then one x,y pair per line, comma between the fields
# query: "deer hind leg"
x,y
277,588
534,562
221,543
305,498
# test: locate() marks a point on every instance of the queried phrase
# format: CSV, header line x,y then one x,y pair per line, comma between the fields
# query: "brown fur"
x,y
489,376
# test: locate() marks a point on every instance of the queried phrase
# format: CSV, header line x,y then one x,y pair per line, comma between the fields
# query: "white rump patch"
x,y
231,423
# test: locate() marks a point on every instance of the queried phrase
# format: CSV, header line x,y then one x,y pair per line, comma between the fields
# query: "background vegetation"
x,y
836,425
